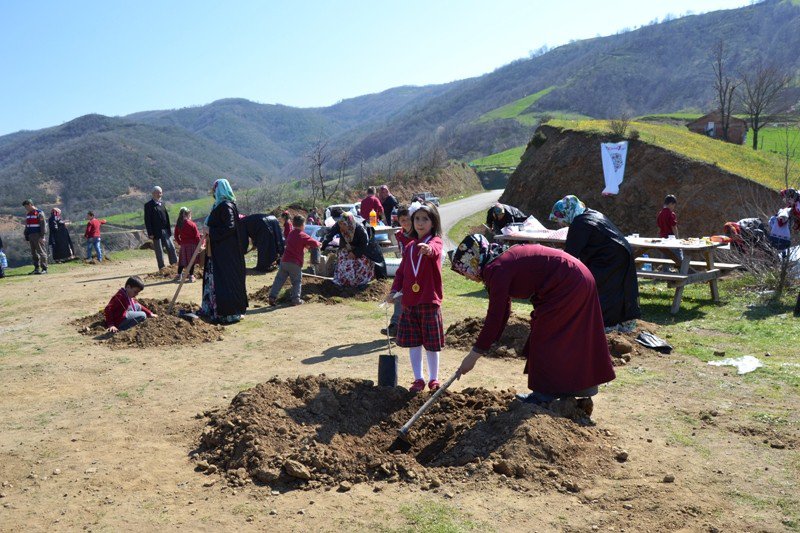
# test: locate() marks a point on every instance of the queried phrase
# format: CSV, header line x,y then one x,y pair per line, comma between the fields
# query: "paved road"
x,y
452,212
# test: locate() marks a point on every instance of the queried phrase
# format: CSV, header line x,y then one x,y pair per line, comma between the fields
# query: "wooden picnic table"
x,y
390,231
679,253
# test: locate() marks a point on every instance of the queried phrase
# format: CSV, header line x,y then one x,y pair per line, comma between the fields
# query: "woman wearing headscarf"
x,y
602,247
59,239
567,353
224,291
358,253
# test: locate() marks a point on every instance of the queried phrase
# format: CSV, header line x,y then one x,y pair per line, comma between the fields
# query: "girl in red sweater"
x,y
420,279
188,237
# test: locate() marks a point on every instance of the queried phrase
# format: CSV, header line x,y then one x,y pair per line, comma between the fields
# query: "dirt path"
x,y
99,439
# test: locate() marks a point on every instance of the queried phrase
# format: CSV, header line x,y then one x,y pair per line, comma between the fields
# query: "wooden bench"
x,y
693,264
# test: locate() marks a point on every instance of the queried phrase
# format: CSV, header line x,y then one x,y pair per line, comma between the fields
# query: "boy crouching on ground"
x,y
292,261
123,311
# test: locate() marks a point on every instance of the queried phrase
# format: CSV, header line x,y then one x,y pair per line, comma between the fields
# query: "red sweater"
x,y
296,243
402,240
93,228
429,275
287,228
667,219
187,234
368,204
118,306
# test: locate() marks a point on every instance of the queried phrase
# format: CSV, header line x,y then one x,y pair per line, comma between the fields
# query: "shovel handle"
x,y
404,430
183,278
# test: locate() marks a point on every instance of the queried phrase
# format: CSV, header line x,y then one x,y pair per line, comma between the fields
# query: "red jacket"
x,y
429,275
666,220
187,234
296,243
402,240
287,228
118,306
93,228
368,204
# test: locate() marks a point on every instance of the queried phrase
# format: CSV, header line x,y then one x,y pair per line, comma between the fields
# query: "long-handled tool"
x,y
401,442
183,277
387,364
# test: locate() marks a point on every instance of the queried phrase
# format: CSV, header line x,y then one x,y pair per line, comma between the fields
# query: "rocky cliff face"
x,y
568,162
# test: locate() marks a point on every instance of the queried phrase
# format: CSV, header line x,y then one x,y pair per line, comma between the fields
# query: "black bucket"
x,y
387,370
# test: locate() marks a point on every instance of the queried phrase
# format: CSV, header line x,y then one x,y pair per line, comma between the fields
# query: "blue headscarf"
x,y
567,209
222,193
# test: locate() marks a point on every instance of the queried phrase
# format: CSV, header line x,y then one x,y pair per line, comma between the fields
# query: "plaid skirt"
x,y
186,253
421,325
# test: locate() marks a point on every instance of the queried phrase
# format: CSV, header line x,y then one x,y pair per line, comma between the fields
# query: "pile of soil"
x,y
171,272
463,334
326,291
163,330
312,432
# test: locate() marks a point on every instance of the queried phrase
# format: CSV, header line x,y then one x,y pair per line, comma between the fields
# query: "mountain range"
x,y
109,163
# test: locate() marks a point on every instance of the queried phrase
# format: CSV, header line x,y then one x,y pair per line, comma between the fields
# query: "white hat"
x,y
157,189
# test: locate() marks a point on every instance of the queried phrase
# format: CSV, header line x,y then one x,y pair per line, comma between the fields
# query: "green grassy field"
x,y
200,207
773,140
688,116
760,166
503,160
515,109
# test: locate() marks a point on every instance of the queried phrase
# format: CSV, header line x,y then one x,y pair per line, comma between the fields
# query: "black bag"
x,y
649,340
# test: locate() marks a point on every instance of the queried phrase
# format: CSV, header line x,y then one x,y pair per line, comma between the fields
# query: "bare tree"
x,y
789,149
761,91
343,161
318,157
724,86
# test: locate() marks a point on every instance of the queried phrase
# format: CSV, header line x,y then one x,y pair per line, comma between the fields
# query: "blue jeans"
x,y
94,242
131,319
294,273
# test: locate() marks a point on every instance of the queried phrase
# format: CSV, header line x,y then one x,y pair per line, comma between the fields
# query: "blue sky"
x,y
64,59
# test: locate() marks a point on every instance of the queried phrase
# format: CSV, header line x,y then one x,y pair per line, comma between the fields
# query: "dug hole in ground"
x,y
246,433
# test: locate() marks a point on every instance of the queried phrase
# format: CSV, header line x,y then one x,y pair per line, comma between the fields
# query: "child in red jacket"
x,y
420,279
92,236
292,261
123,311
188,237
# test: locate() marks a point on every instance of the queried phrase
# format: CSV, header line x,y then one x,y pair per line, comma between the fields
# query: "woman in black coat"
x,y
224,291
602,247
59,240
267,235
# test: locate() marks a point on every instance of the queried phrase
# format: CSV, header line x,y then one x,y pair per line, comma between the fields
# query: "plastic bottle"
x,y
647,267
373,218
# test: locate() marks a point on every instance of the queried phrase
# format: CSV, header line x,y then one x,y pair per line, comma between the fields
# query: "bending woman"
x,y
567,354
224,291
602,247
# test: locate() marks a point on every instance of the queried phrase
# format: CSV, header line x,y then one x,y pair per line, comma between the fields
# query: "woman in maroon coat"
x,y
567,354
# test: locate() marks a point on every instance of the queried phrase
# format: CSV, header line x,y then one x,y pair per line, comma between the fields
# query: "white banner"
x,y
613,155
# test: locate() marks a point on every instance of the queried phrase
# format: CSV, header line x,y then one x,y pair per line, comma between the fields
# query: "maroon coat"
x,y
567,349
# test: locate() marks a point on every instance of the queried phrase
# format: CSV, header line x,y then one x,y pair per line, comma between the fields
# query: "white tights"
x,y
415,354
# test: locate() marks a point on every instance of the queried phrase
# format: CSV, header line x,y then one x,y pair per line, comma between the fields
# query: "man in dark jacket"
x,y
501,215
389,202
156,221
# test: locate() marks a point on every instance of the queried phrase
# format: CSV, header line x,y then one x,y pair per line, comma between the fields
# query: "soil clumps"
x,y
327,292
171,271
312,432
463,334
163,330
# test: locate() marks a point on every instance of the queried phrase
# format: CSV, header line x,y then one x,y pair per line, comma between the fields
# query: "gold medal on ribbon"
x,y
415,287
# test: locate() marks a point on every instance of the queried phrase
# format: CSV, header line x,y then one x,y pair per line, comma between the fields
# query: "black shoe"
x,y
37,272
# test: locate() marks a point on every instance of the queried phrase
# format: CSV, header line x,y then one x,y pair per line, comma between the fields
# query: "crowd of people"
x,y
578,294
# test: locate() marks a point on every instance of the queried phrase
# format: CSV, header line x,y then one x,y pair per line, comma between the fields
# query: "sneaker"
x,y
191,279
417,386
434,384
44,271
298,302
37,272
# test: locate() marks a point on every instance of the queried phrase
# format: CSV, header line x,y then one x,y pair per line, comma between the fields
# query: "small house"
x,y
711,126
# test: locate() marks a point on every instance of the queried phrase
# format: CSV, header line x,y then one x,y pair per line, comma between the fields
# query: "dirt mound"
x,y
463,334
163,330
326,291
171,272
311,432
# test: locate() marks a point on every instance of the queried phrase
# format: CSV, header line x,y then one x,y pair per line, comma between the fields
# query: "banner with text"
x,y
614,155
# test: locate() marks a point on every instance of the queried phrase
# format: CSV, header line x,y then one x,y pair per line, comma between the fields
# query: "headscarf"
x,y
56,212
498,209
347,226
566,209
223,192
473,254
